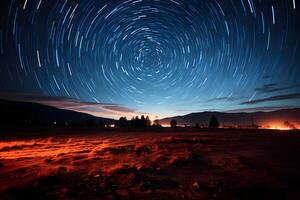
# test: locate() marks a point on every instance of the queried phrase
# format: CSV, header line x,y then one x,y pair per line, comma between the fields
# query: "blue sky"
x,y
161,58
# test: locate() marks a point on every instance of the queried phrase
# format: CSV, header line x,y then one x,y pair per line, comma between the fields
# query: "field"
x,y
209,164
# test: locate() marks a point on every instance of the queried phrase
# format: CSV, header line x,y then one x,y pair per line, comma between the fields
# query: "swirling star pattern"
x,y
156,56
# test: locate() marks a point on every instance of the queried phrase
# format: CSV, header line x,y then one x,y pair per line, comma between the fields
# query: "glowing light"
x,y
279,126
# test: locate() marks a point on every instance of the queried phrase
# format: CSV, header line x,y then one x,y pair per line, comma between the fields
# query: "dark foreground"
x,y
253,164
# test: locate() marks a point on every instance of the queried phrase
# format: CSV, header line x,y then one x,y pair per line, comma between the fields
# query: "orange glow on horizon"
x,y
281,126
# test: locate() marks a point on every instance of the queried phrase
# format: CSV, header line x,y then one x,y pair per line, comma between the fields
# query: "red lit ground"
x,y
187,165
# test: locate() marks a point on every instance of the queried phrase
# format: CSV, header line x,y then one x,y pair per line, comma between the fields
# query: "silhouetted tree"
x,y
122,122
213,123
156,123
148,121
143,122
135,122
173,123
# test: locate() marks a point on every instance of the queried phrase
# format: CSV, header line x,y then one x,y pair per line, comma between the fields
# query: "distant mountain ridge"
x,y
15,113
241,118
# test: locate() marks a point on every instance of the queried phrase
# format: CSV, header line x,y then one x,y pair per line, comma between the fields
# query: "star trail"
x,y
162,57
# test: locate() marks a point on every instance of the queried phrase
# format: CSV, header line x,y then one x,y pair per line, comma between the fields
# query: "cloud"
x,y
273,87
97,109
273,98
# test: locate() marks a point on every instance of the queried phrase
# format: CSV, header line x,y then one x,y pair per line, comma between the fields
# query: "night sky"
x,y
158,57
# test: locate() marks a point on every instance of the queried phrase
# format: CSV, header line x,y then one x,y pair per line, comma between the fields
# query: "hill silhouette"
x,y
18,114
259,118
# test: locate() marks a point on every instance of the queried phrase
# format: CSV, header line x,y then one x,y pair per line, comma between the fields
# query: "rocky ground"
x,y
253,164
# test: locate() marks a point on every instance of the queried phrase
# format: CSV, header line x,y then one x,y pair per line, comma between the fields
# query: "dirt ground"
x,y
229,164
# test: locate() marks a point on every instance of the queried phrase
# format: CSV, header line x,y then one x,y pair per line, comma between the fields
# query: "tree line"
x,y
136,122
143,122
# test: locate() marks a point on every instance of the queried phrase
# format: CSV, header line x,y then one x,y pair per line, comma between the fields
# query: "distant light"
x,y
279,128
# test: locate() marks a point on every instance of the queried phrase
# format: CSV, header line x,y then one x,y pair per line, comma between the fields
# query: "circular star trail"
x,y
151,55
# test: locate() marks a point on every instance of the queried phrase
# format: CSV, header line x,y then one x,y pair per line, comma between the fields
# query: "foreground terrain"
x,y
226,164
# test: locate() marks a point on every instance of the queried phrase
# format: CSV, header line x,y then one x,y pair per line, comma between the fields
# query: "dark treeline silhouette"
x,y
213,123
173,123
156,124
134,122
144,122
137,122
